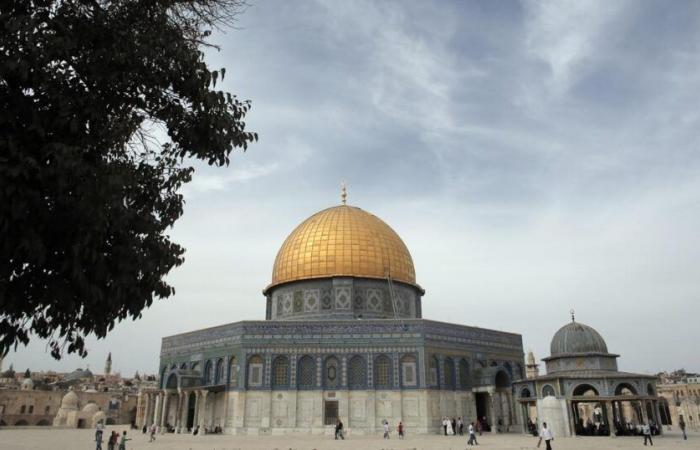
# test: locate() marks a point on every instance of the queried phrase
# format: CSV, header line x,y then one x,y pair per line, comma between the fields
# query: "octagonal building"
x,y
343,338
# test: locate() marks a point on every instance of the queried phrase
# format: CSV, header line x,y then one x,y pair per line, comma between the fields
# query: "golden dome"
x,y
343,241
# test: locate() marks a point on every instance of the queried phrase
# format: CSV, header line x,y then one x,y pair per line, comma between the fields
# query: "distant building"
x,y
681,399
77,399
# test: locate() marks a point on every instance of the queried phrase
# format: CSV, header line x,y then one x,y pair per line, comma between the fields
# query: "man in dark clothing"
x,y
339,430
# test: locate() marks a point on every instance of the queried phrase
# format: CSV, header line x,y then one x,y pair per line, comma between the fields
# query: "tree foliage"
x,y
86,193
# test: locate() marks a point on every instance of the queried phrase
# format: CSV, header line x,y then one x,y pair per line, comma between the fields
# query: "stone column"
x,y
492,404
195,421
146,410
643,407
178,411
164,412
157,408
184,411
657,412
203,412
611,417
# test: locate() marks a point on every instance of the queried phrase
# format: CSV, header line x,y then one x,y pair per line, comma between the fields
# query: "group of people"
x,y
114,441
400,429
630,429
455,427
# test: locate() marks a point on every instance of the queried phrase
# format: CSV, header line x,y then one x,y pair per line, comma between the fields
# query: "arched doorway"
x,y
627,409
529,410
590,415
192,401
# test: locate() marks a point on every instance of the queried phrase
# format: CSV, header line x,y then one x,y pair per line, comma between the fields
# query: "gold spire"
x,y
343,193
573,318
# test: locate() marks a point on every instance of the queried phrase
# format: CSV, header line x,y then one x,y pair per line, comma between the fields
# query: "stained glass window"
x,y
307,372
332,377
433,371
382,371
357,372
408,371
255,366
280,371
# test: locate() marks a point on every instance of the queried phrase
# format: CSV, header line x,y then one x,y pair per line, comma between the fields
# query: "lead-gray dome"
x,y
576,337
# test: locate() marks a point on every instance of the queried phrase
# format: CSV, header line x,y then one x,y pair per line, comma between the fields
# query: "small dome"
x,y
576,337
70,401
27,384
91,408
79,374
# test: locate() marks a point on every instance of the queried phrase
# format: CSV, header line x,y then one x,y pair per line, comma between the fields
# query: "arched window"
x,y
433,373
332,373
625,389
280,372
585,390
502,380
382,372
408,371
183,366
463,374
255,371
233,372
306,372
525,393
650,390
195,366
219,375
547,391
207,373
449,368
357,372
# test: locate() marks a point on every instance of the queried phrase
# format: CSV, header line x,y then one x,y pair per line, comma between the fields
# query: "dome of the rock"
x,y
343,241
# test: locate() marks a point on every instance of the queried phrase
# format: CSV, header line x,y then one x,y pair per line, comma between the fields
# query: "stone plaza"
x,y
76,439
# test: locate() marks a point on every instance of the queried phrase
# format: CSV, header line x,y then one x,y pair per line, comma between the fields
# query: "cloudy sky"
x,y
534,156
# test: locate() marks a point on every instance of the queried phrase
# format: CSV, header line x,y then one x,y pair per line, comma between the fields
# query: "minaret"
x,y
108,364
531,368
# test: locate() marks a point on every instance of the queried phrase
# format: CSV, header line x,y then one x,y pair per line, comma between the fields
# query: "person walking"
x,y
547,435
444,425
386,429
400,430
646,431
339,430
113,439
122,442
681,424
152,436
453,424
98,439
460,425
472,435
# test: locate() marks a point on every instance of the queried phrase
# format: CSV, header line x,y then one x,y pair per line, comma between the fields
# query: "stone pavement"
x,y
62,439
